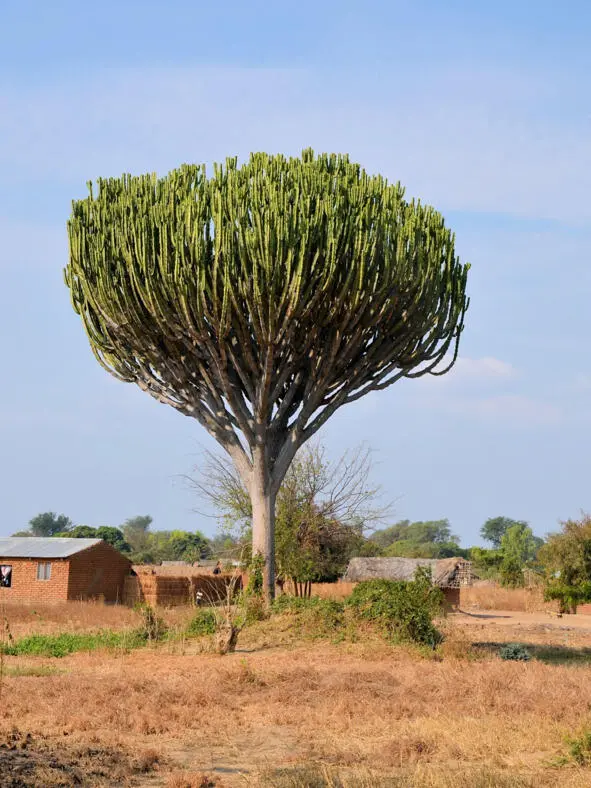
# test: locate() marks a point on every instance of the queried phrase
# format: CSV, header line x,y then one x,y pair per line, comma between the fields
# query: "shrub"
x,y
579,749
515,651
153,627
204,622
320,617
402,610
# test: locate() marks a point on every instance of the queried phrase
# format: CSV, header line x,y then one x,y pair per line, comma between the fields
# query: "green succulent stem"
x,y
263,298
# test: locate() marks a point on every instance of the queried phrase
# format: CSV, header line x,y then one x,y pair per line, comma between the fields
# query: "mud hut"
x,y
449,574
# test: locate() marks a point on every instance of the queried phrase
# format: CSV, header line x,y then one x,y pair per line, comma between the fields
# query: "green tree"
x,y
566,562
136,532
423,539
187,546
518,547
48,524
80,532
114,537
487,563
495,528
263,298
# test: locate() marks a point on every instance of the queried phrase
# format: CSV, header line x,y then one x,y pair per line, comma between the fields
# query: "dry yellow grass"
x,y
495,597
270,716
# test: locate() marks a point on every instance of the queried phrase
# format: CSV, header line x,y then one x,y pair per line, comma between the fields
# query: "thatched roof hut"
x,y
445,572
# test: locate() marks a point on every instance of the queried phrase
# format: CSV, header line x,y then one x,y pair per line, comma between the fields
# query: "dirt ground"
x,y
288,714
512,618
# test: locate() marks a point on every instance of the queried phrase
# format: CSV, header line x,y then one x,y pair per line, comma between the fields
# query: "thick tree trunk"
x,y
263,523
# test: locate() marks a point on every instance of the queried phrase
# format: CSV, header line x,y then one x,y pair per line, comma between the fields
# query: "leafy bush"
x,y
204,622
402,610
569,596
515,651
319,616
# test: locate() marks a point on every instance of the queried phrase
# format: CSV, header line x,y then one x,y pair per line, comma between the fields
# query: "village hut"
x,y
449,574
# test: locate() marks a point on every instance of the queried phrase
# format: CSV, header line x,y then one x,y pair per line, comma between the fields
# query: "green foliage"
x,y
579,749
269,294
428,539
153,626
486,563
316,617
322,509
519,547
566,563
135,532
402,610
79,532
114,537
67,643
495,528
514,651
204,622
569,596
49,524
255,576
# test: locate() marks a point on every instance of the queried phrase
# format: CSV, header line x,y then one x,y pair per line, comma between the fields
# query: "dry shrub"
x,y
148,761
321,776
495,597
457,644
192,780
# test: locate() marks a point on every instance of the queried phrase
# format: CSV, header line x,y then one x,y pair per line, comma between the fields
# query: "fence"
x,y
165,590
495,597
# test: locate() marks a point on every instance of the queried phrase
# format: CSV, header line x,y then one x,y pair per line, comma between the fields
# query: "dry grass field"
x,y
287,712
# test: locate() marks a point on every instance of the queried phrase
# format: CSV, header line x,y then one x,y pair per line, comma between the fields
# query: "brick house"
x,y
58,569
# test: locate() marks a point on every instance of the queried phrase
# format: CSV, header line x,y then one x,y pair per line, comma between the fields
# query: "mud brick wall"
x,y
170,591
99,571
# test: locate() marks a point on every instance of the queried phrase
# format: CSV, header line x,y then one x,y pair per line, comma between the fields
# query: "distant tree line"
x,y
133,538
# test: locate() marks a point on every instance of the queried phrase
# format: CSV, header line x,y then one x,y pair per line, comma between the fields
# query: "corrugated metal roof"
x,y
43,547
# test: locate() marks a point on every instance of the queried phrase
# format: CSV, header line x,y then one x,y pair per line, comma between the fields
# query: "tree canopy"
x,y
263,298
495,528
48,524
566,562
422,539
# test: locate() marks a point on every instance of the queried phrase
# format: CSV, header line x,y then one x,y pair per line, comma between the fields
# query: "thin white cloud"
x,y
488,142
483,389
509,409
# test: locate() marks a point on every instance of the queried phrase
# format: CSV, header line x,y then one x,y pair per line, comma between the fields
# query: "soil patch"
x,y
28,761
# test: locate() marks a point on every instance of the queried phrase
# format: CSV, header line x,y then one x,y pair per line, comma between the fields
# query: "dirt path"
x,y
512,618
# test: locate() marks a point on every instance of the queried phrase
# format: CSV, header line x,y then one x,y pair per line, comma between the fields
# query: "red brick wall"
x,y
98,571
26,586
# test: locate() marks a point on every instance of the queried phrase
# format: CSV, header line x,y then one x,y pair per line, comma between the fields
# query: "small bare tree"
x,y
323,510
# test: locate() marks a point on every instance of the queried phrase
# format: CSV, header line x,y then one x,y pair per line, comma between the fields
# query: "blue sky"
x,y
483,110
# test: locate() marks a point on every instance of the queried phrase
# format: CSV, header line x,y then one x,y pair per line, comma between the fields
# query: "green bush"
x,y
402,610
203,623
318,616
579,749
515,651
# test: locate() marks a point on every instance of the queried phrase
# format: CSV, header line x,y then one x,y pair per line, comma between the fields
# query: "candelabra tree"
x,y
263,298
